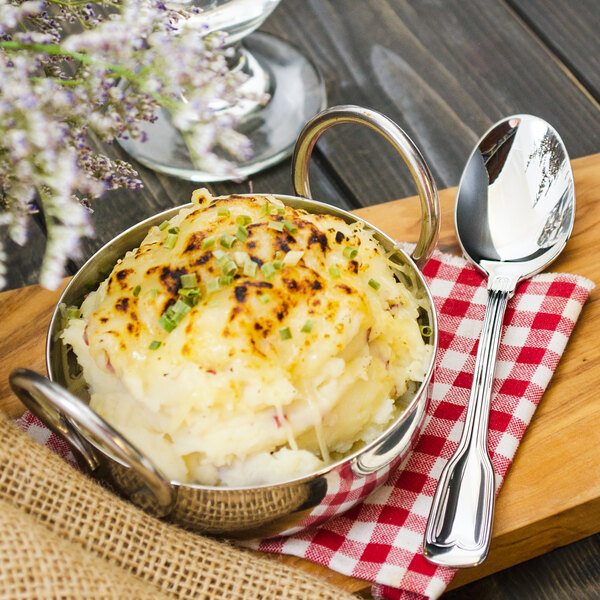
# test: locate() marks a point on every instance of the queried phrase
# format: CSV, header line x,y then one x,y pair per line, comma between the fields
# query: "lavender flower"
x,y
126,59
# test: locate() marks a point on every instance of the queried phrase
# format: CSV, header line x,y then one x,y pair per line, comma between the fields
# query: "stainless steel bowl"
x,y
266,510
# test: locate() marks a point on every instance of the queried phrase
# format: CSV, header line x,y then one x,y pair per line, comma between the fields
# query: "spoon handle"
x,y
459,527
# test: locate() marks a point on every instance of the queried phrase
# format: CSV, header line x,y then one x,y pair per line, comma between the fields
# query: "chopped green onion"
x,y
180,309
285,333
242,233
226,280
155,345
229,268
174,229
278,264
189,280
374,284
223,211
308,325
243,220
208,242
289,226
264,298
293,257
266,208
170,241
163,225
250,268
426,330
227,240
280,210
136,290
218,254
73,312
190,296
212,285
167,323
334,272
350,252
153,292
268,270
277,225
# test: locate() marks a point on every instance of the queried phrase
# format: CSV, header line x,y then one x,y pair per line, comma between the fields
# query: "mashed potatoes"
x,y
245,342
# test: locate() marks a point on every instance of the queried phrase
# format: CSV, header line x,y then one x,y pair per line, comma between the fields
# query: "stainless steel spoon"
x,y
514,214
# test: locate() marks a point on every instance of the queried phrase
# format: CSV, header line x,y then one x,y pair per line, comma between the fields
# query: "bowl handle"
x,y
58,409
430,207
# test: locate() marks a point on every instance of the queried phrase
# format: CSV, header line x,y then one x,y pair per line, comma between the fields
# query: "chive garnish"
x,y
226,280
163,225
174,229
264,298
229,268
212,285
136,290
285,333
222,211
190,296
280,210
308,325
227,240
268,270
243,220
189,280
334,272
208,242
73,312
218,254
426,330
350,252
242,233
180,309
155,345
374,284
277,225
250,268
167,323
289,226
266,208
278,264
170,241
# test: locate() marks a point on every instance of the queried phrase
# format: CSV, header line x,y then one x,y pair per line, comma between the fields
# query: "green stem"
x,y
58,50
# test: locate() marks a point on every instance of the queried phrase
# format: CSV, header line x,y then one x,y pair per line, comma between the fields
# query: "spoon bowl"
x,y
514,214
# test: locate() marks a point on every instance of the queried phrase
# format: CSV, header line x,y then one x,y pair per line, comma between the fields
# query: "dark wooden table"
x,y
444,70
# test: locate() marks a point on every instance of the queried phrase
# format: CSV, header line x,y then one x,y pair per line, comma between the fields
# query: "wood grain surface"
x,y
551,496
570,31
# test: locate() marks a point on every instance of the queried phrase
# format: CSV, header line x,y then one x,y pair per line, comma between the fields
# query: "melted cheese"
x,y
225,386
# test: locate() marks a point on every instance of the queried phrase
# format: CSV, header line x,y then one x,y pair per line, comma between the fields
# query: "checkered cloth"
x,y
380,539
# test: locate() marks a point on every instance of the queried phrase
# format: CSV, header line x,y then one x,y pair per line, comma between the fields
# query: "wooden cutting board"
x,y
551,496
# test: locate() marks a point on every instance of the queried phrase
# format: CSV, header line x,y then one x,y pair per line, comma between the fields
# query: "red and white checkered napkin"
x,y
380,540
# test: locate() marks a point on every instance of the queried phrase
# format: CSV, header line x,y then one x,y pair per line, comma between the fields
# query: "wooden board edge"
x,y
533,540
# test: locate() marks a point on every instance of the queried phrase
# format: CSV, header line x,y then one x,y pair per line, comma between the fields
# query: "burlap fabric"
x,y
181,564
37,563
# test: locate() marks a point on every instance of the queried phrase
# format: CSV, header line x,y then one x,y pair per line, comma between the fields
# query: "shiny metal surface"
x,y
426,188
514,214
266,510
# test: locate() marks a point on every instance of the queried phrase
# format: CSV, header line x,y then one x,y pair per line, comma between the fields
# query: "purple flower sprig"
x,y
70,69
